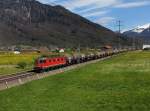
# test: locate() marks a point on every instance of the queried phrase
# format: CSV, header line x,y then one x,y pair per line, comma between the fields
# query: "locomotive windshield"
x,y
42,60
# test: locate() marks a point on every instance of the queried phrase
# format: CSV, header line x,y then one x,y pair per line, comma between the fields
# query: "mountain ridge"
x,y
142,32
30,22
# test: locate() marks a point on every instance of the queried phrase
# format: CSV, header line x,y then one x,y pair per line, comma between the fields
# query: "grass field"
x,y
9,61
118,84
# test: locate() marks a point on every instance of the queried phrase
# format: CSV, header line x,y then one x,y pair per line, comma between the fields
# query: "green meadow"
x,y
9,62
121,83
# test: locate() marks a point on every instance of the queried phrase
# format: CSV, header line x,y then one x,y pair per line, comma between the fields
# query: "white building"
x,y
17,52
61,50
146,47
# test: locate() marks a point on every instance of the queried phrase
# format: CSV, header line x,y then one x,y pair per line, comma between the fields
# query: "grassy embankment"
x,y
118,84
9,62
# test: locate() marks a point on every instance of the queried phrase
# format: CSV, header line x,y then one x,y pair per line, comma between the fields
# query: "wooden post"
x,y
38,76
28,78
19,80
6,84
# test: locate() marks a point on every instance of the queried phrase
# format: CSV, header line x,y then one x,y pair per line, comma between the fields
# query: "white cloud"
x,y
105,20
73,4
95,4
91,5
46,1
97,8
98,13
133,4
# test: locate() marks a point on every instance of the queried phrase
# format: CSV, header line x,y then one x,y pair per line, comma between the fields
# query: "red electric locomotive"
x,y
46,63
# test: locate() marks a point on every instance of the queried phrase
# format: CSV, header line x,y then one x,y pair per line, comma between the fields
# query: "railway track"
x,y
15,76
12,80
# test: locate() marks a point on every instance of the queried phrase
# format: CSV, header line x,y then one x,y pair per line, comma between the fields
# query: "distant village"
x,y
27,49
41,49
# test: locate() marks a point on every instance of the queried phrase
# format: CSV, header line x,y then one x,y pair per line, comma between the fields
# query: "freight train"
x,y
50,63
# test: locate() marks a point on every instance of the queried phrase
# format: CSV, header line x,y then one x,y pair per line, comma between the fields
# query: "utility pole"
x,y
133,42
79,53
119,24
79,49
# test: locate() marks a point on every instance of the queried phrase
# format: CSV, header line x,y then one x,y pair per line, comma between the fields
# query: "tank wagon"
x,y
51,63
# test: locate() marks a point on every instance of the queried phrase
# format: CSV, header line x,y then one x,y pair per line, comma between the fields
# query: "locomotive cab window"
x,y
42,61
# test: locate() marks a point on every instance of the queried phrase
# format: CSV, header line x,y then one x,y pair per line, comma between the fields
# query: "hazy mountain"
x,y
142,32
30,22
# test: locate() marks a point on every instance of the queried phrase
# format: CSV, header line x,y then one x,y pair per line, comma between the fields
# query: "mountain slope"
x,y
142,32
29,22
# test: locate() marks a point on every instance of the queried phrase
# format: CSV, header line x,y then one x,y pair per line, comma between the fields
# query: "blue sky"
x,y
131,13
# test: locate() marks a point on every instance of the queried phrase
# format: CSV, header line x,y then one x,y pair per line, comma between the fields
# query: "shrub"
x,y
22,65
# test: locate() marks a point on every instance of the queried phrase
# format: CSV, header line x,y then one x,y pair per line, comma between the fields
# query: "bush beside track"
x,y
10,63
